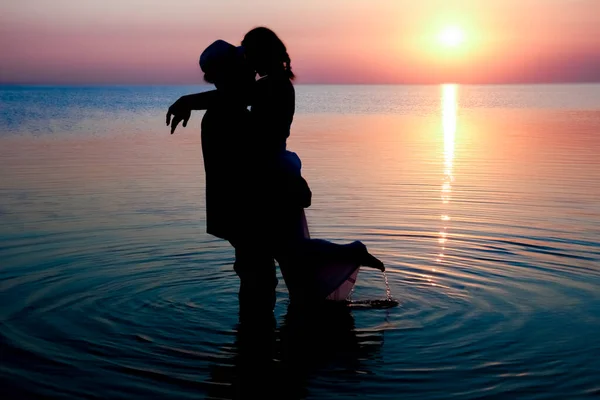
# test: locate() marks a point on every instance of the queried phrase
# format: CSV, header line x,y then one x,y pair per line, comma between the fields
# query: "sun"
x,y
452,36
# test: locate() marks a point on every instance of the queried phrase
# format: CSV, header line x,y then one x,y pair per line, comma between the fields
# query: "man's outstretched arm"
x,y
181,110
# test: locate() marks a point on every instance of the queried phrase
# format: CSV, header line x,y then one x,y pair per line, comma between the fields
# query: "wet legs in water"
x,y
255,267
254,365
256,270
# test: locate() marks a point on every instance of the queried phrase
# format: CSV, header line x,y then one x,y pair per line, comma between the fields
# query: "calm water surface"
x,y
481,201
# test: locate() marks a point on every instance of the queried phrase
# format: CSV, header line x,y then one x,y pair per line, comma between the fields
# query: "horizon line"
x,y
307,83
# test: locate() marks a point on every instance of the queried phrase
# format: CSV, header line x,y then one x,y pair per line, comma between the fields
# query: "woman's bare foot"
x,y
373,262
365,258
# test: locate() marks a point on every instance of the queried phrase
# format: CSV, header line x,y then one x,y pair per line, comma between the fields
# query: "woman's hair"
x,y
266,46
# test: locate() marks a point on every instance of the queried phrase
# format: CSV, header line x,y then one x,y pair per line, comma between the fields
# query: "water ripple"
x,y
110,288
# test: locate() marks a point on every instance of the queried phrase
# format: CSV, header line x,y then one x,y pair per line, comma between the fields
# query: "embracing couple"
x,y
255,192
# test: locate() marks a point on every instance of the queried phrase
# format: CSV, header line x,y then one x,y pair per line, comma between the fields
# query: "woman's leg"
x,y
315,268
324,252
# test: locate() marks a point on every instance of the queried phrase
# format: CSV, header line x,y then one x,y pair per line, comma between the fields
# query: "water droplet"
x,y
388,292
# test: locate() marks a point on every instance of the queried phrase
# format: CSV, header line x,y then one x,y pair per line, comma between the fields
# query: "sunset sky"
x,y
330,41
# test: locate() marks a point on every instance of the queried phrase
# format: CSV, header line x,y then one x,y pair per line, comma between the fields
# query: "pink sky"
x,y
330,41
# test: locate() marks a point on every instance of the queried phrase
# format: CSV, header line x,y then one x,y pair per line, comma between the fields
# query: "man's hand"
x,y
180,111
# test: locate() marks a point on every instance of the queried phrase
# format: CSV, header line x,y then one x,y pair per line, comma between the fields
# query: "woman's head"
x,y
266,53
224,66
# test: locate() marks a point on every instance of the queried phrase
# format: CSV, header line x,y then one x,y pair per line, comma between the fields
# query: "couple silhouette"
x,y
255,192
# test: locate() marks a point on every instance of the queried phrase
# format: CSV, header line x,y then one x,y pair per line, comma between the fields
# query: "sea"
x,y
483,202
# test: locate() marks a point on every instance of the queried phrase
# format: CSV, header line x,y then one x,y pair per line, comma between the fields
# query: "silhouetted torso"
x,y
273,104
224,132
244,185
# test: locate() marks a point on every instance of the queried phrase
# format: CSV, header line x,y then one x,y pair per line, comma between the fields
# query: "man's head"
x,y
224,65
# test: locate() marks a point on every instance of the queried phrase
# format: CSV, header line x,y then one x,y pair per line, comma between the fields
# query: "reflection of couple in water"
x,y
255,193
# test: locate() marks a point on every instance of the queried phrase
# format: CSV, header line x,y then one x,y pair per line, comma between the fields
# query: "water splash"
x,y
388,292
388,302
373,304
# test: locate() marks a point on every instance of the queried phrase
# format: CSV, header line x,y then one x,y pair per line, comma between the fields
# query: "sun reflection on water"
x,y
449,113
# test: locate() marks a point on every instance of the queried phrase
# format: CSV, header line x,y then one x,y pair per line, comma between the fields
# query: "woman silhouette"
x,y
260,192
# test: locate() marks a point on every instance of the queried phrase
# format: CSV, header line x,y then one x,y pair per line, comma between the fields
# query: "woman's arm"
x,y
181,110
